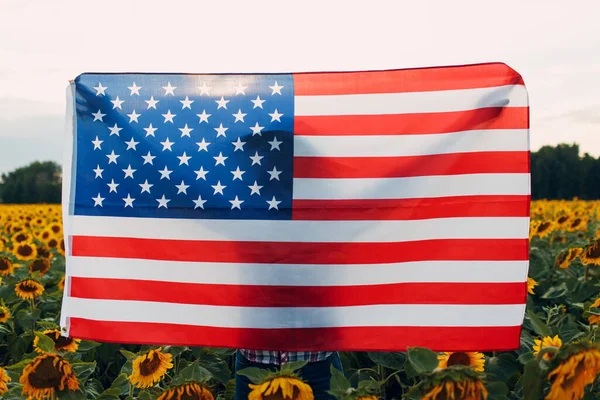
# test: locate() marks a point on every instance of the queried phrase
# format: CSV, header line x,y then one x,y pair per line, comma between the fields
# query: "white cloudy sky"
x,y
554,44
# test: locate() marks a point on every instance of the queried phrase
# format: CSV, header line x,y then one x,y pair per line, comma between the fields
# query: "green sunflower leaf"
x,y
338,380
256,375
393,360
532,381
294,366
83,369
45,343
423,360
538,326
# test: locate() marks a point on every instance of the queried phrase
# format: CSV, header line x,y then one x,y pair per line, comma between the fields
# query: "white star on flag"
x,y
97,143
168,116
258,102
185,131
220,159
117,103
112,157
150,130
134,89
236,203
151,102
145,186
98,171
129,172
199,202
98,200
112,186
256,158
148,159
255,189
239,116
169,89
222,103
131,144
98,116
204,116
100,89
128,201
167,145
239,145
203,145
275,143
275,116
183,159
201,173
273,203
274,174
276,88
133,116
162,202
187,103
218,187
182,188
115,130
237,174
165,173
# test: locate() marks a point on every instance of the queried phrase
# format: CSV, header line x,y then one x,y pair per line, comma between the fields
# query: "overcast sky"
x,y
555,45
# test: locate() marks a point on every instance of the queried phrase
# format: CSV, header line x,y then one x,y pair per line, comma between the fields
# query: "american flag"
x,y
301,212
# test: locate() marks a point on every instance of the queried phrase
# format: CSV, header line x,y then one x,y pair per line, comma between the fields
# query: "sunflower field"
x,y
559,357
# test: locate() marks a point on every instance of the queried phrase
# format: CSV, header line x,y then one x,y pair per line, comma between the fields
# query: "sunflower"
x,y
150,368
67,344
47,374
25,251
189,391
531,283
21,237
463,390
6,266
577,224
42,252
566,257
55,228
4,314
367,398
52,242
281,387
591,255
543,229
547,341
4,379
29,289
594,319
61,283
474,360
61,247
41,266
1,244
45,235
562,220
574,373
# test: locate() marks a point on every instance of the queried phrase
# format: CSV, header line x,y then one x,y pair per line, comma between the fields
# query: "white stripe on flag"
x,y
411,145
303,231
300,274
302,317
411,187
411,102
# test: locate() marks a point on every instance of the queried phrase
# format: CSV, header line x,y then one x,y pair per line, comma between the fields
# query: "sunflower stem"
x,y
130,390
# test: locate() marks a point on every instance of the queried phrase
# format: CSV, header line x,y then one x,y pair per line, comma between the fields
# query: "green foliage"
x,y
38,182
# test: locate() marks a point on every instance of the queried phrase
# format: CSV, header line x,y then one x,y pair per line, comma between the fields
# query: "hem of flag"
x,y
68,190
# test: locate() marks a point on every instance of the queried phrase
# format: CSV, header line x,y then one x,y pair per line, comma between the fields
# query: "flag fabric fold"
x,y
372,210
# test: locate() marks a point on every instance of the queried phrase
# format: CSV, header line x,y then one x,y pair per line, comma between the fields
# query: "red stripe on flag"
x,y
411,209
408,166
377,338
406,80
298,296
413,124
300,252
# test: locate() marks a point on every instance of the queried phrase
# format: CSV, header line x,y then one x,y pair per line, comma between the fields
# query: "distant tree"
x,y
38,182
559,172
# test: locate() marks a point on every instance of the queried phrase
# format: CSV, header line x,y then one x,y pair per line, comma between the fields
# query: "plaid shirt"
x,y
282,357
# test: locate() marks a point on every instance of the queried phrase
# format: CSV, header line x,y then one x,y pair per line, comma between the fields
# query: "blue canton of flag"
x,y
184,146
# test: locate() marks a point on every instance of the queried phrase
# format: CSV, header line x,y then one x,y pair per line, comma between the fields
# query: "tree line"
x,y
557,172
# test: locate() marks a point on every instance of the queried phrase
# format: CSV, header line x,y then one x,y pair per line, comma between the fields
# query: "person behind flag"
x,y
316,373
